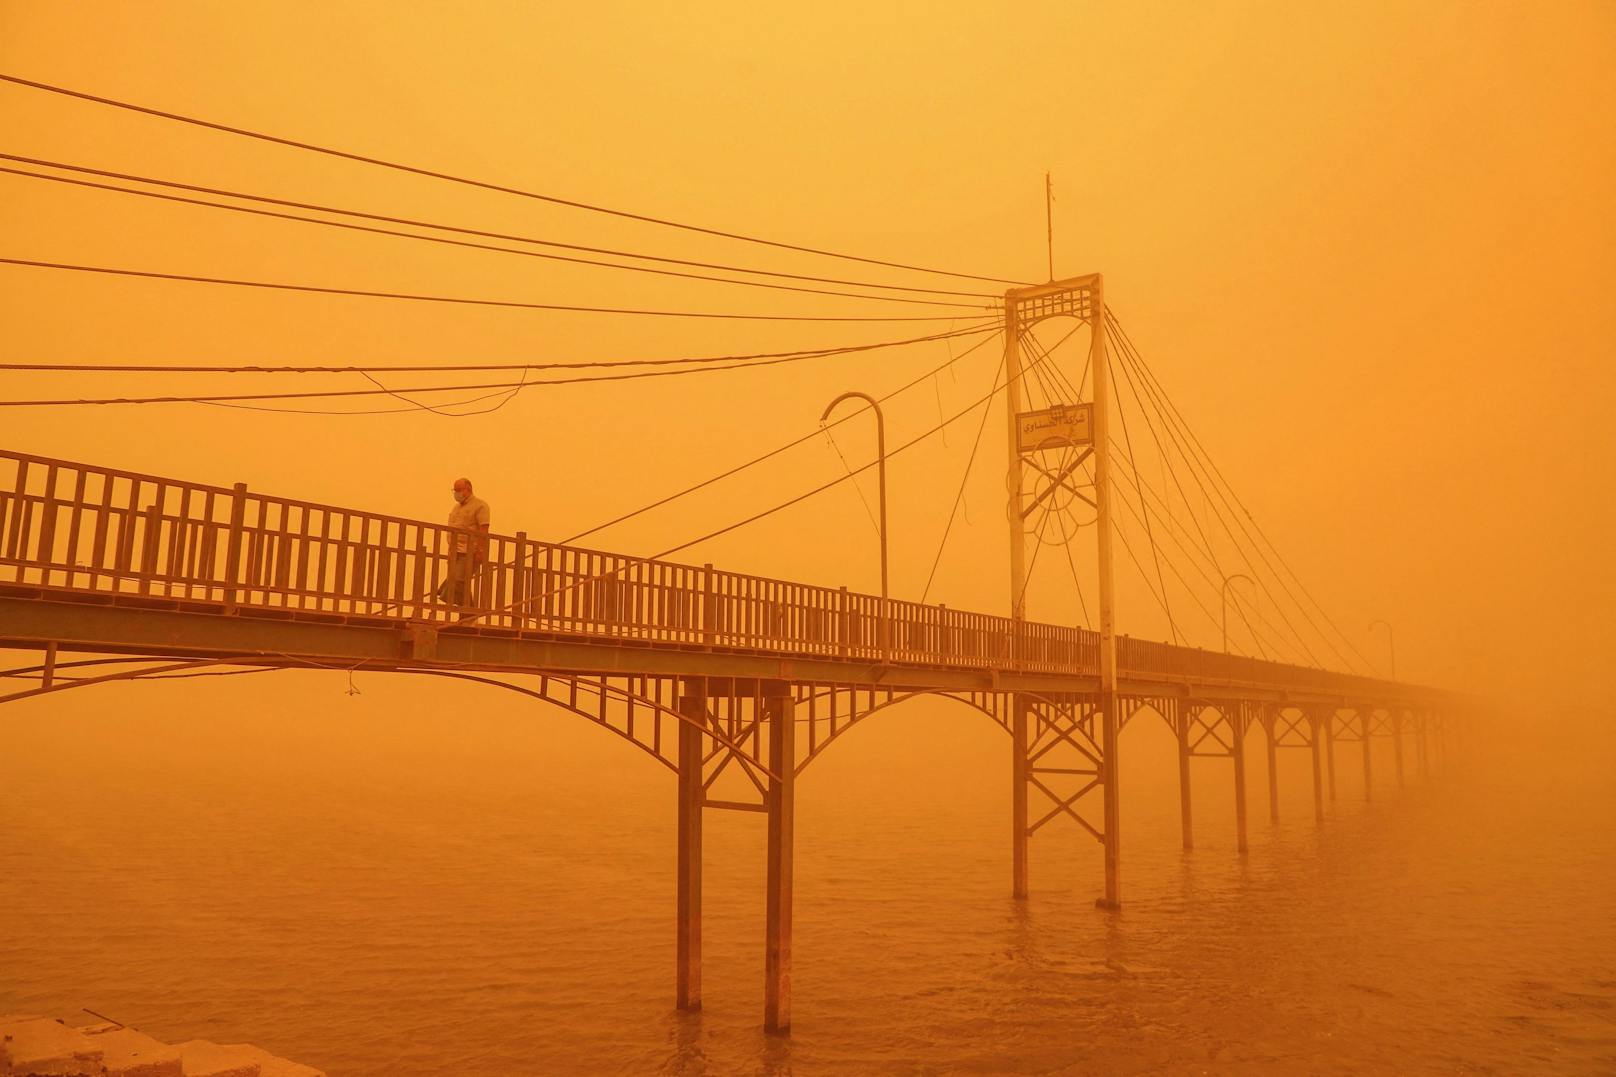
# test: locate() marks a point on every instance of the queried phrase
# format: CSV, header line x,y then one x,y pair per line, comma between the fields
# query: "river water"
x,y
413,881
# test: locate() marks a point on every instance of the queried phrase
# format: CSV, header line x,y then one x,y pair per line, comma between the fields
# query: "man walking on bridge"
x,y
469,523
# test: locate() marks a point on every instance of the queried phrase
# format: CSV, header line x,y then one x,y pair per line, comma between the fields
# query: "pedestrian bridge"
x,y
728,679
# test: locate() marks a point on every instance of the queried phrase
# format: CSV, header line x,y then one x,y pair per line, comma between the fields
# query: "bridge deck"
x,y
101,559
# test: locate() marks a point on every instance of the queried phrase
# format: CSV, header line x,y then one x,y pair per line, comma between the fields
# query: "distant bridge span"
x,y
708,671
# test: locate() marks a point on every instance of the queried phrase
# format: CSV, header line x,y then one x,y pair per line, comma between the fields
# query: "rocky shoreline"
x,y
35,1046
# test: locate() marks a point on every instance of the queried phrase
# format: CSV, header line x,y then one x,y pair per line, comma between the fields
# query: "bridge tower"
x,y
1068,425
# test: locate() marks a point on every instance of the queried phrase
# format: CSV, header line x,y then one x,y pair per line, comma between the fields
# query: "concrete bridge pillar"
x,y
1396,717
1314,735
1110,734
781,807
1330,718
1420,750
1366,719
687,946
1237,723
1020,747
1182,724
1270,722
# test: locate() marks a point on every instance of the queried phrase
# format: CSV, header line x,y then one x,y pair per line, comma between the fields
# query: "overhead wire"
x,y
1161,453
865,501
1127,439
463,368
1194,555
1247,512
1194,597
1044,359
444,240
482,184
917,439
959,495
704,483
464,300
487,233
394,392
1202,462
1197,470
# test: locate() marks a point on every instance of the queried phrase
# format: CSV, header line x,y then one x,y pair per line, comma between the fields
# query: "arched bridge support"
x,y
1217,730
727,725
1293,727
1059,761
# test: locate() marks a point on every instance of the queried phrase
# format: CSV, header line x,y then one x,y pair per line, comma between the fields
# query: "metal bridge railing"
x,y
101,531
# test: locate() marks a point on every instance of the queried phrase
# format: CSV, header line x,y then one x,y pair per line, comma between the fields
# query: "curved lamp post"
x,y
881,459
1227,580
1391,642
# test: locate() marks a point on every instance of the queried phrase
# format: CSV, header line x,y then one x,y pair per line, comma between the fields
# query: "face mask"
x,y
460,497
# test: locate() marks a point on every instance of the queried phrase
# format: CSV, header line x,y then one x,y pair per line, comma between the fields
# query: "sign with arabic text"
x,y
1055,428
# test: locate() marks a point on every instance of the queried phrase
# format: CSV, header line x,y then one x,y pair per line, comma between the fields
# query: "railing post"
x,y
709,607
517,603
844,625
232,556
152,540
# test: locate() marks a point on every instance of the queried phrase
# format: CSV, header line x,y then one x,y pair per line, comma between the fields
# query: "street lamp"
x,y
1391,642
1227,580
881,460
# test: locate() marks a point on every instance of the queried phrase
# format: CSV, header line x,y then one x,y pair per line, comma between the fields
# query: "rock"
x,y
128,1053
39,1047
271,1066
202,1058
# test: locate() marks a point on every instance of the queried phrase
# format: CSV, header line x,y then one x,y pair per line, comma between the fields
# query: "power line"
x,y
483,184
189,278
1150,534
461,368
486,234
738,468
798,499
385,391
1186,544
960,495
1247,512
373,230
1203,462
917,439
1258,578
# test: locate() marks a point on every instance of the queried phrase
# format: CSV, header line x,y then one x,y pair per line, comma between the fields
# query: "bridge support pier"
x,y
1273,768
687,947
1237,721
1314,734
1111,730
1419,744
1020,748
781,808
1330,718
1396,718
1366,722
1182,724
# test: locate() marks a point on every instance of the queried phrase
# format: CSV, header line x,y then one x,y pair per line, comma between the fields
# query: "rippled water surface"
x,y
417,881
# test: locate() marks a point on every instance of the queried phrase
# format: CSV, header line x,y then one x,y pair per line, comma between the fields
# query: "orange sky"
x,y
1369,250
